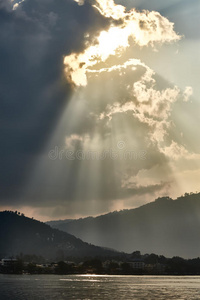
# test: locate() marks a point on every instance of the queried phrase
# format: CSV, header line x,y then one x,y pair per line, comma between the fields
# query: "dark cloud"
x,y
40,115
33,89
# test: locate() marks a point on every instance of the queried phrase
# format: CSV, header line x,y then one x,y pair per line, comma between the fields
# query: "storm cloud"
x,y
87,126
33,88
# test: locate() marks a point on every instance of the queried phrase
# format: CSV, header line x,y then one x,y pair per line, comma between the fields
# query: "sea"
x,y
88,287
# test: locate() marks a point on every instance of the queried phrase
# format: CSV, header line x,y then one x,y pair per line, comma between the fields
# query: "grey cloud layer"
x,y
33,90
127,106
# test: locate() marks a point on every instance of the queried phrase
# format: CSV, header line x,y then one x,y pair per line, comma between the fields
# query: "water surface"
x,y
47,287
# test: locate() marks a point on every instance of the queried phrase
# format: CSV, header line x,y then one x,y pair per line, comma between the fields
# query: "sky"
x,y
99,104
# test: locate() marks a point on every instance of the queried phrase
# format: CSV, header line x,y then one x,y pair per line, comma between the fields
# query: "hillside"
x,y
19,234
165,226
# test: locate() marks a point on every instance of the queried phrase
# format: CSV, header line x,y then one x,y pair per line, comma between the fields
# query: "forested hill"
x,y
165,226
19,234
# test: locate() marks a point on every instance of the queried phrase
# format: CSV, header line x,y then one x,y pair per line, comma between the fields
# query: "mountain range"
x,y
21,235
165,226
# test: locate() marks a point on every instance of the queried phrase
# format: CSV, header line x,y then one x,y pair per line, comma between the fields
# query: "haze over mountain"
x,y
168,227
20,234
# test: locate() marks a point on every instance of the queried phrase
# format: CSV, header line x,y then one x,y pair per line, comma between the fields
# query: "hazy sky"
x,y
100,107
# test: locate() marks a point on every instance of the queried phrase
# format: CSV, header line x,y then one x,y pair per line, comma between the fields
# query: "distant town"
x,y
134,264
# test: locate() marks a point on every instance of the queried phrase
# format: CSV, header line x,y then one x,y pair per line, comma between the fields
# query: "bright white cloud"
x,y
178,152
72,139
187,93
16,5
143,28
148,104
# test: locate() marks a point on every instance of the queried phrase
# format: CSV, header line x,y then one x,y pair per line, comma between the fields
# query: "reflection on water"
x,y
42,287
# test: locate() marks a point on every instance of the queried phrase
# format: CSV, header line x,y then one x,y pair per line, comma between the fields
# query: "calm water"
x,y
40,287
